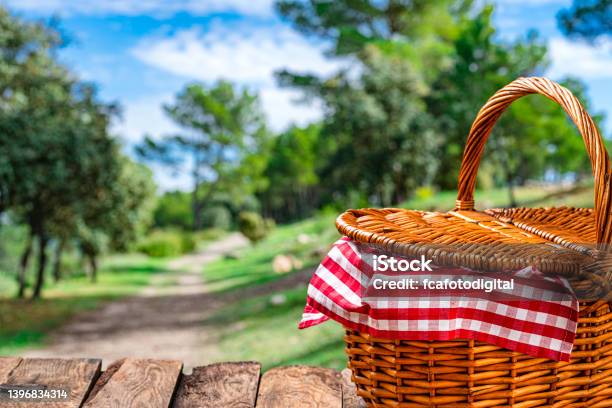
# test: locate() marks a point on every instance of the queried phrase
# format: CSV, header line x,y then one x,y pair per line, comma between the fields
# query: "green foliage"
x,y
129,207
381,127
351,25
61,172
292,173
424,193
167,243
188,242
217,217
209,235
269,224
424,69
253,226
174,210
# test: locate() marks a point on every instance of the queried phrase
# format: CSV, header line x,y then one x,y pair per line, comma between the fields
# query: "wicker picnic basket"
x,y
568,241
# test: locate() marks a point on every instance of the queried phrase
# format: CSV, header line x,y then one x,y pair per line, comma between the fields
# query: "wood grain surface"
x,y
104,378
231,385
138,383
300,386
350,399
148,383
75,376
7,364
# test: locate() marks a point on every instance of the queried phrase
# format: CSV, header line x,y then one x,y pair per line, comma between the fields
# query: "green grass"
x,y
265,330
529,196
25,323
262,323
253,267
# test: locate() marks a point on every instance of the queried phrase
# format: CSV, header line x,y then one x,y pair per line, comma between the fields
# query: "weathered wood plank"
x,y
104,378
75,377
7,364
300,386
137,383
350,399
231,385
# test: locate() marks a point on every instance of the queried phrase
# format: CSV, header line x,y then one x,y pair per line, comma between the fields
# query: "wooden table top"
x,y
150,383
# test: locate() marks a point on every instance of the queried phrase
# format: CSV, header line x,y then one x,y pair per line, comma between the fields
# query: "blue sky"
x,y
140,53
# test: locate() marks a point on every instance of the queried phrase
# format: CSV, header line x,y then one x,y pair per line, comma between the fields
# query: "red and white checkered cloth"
x,y
337,290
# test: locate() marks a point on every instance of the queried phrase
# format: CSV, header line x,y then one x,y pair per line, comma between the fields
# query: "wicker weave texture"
x,y
470,374
466,238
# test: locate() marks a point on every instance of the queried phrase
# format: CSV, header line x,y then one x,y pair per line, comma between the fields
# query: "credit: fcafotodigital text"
x,y
384,263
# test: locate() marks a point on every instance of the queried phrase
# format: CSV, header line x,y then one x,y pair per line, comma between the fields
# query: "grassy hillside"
x,y
260,323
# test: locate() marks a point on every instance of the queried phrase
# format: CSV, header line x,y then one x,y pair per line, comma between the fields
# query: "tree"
x,y
480,65
224,136
424,70
61,158
379,127
588,19
60,170
174,210
292,173
119,215
25,62
383,145
350,25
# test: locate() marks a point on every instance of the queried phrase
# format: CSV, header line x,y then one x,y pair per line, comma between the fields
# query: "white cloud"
x,y
161,8
580,59
246,55
241,53
282,108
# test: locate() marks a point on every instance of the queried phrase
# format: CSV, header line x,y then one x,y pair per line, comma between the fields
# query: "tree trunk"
x,y
23,267
57,262
196,206
93,264
42,264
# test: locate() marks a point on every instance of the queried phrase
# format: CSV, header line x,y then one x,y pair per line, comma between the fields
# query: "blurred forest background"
x,y
77,207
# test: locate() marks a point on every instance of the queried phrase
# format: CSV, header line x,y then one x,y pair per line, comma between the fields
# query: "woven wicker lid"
x,y
478,240
563,240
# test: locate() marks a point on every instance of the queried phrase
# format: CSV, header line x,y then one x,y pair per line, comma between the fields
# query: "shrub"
x,y
188,242
217,217
174,210
269,224
250,203
253,226
210,234
167,243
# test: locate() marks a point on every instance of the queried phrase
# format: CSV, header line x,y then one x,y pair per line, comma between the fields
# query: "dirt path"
x,y
163,321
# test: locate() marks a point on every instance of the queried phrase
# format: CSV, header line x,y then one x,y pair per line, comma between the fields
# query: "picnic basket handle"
x,y
492,110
